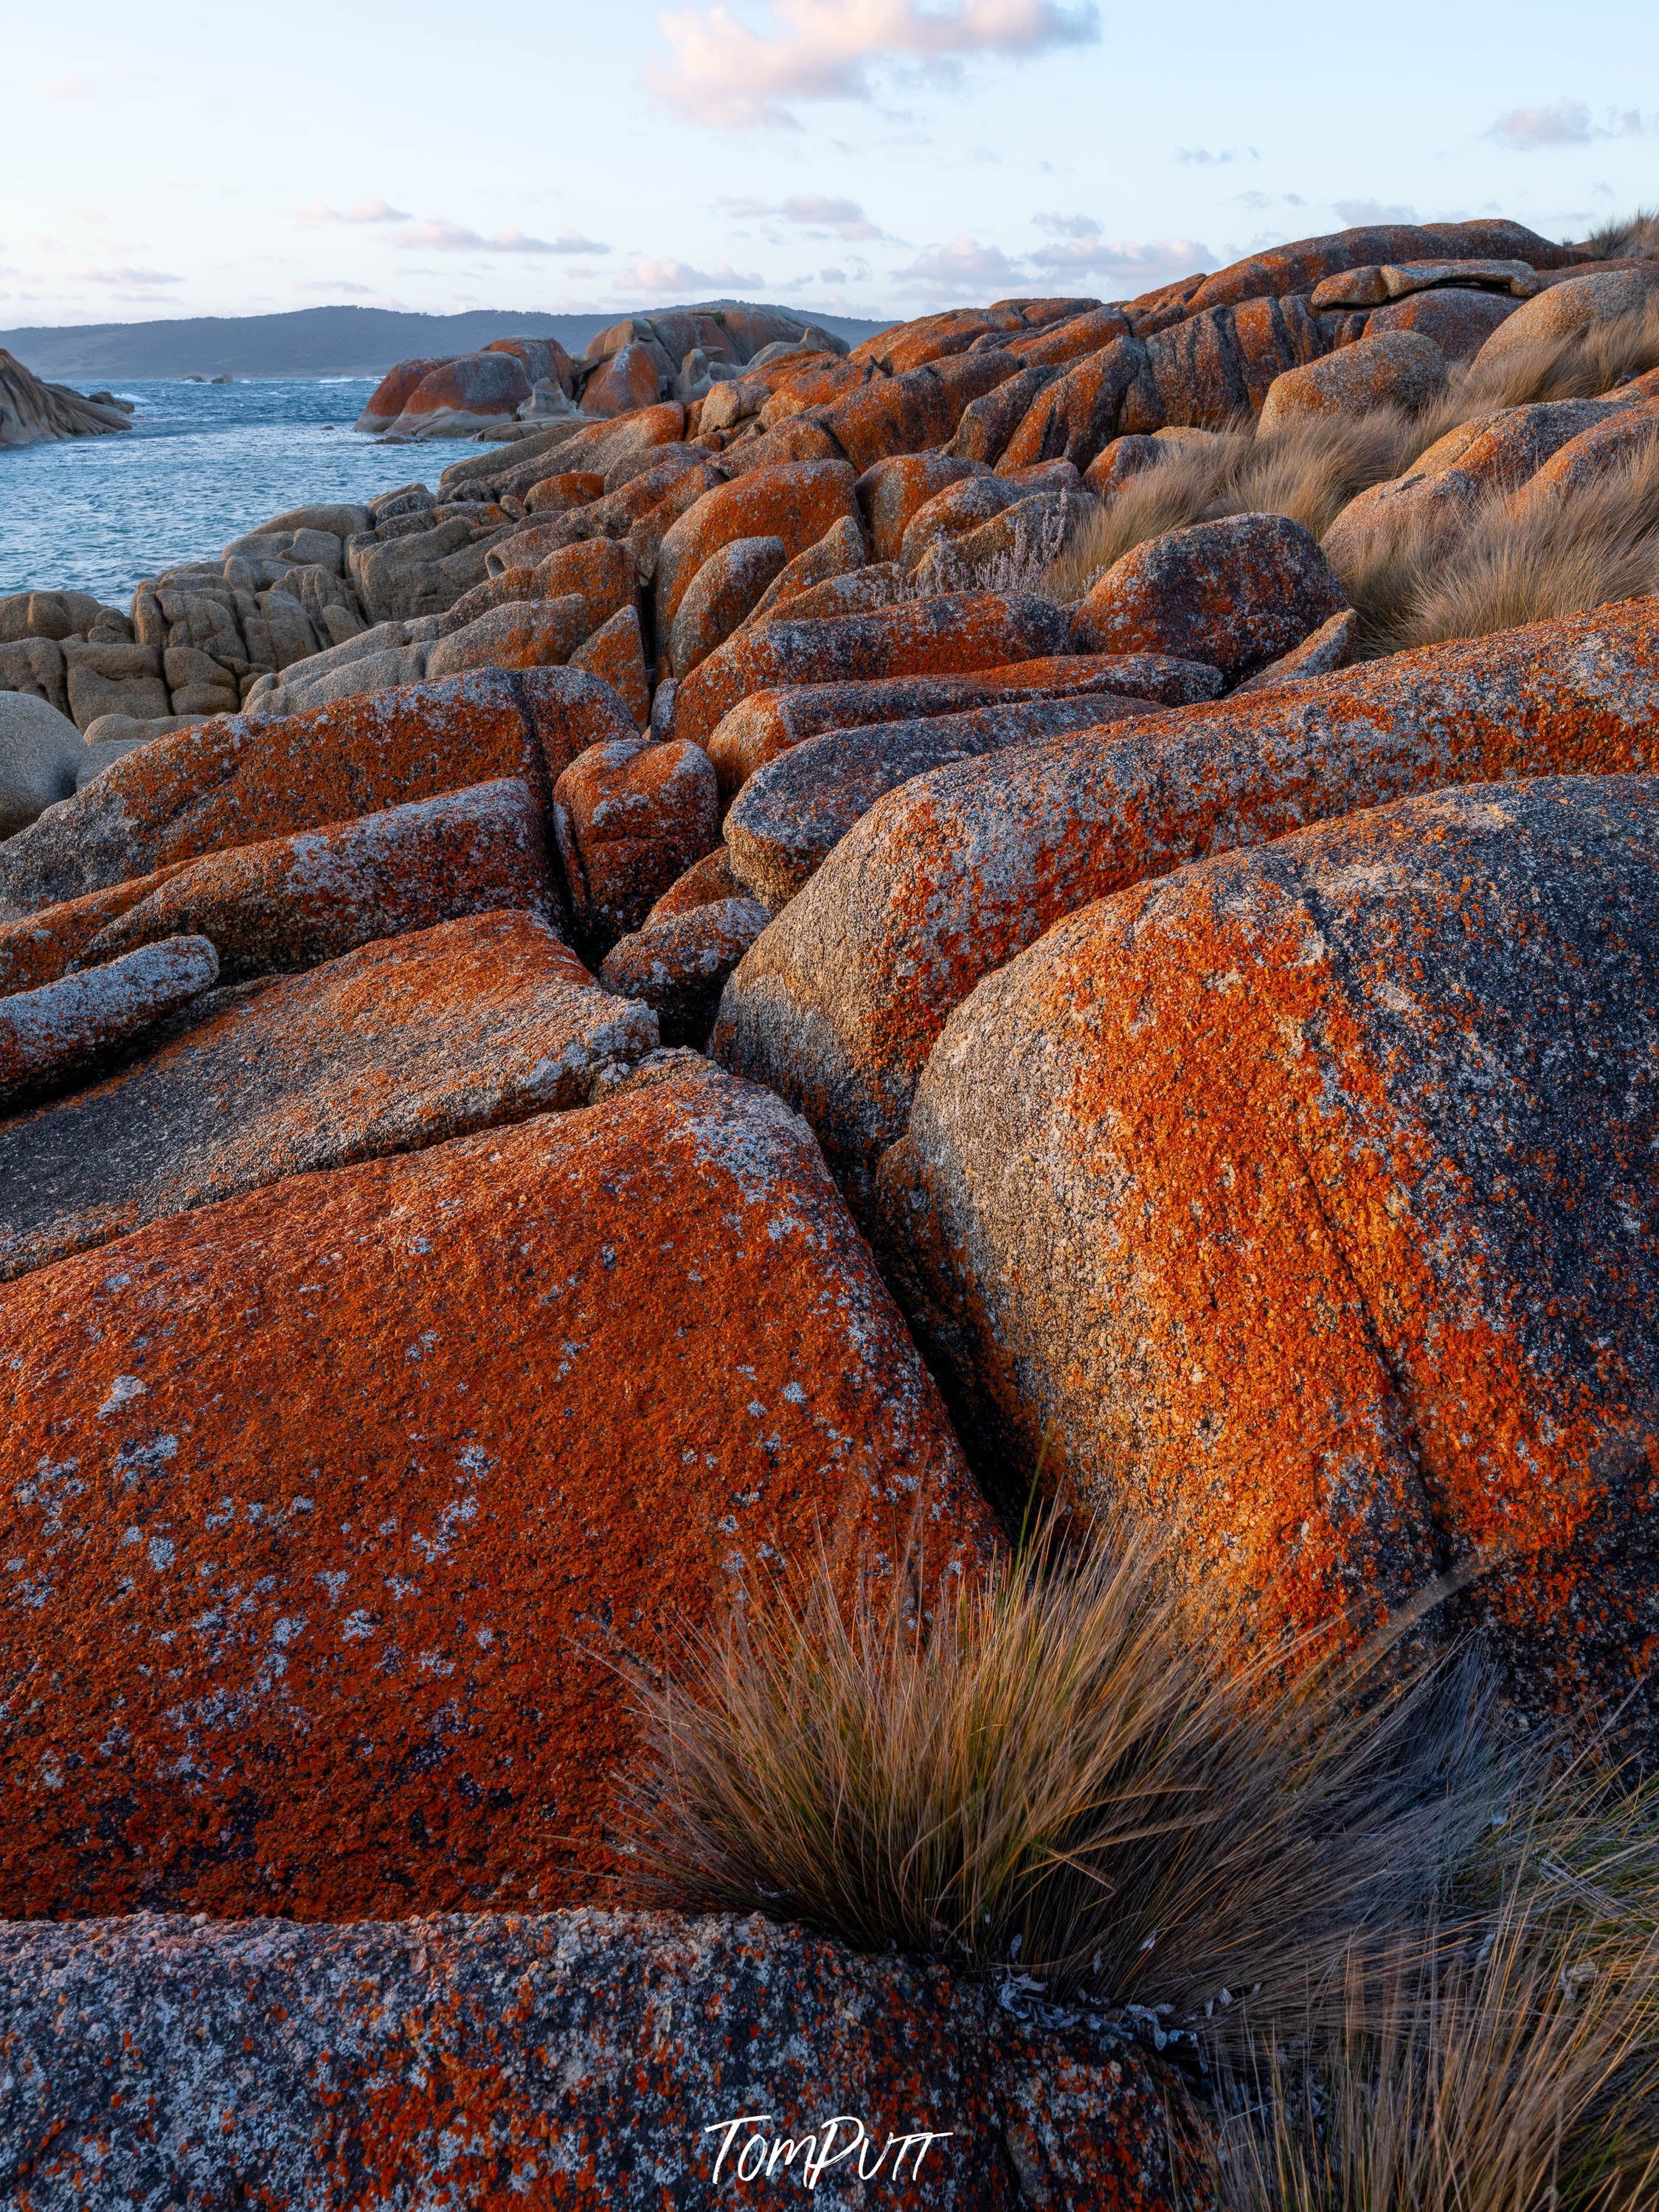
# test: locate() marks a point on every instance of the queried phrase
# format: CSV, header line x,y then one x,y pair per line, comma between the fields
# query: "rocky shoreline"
x,y
715,995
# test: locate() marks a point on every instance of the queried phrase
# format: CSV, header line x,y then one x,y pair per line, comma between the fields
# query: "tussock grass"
x,y
1431,580
1504,2062
1054,1769
1310,468
1583,365
1634,238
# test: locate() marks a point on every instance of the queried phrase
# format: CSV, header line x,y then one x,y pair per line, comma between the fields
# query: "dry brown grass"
x,y
1634,238
1432,580
1053,1770
1506,2061
1310,469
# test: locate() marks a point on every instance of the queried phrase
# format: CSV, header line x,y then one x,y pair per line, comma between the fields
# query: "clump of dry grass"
x,y
1308,470
1582,365
1634,238
1507,2061
1311,467
1053,1768
1433,578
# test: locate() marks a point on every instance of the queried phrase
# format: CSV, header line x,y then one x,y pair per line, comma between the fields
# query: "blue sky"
x,y
865,157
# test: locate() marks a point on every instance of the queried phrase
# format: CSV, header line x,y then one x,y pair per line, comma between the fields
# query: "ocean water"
x,y
203,464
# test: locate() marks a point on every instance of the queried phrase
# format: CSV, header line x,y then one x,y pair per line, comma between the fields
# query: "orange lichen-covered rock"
x,y
903,414
1300,266
522,633
401,1043
472,392
54,1035
630,378
1617,443
986,424
891,493
840,1004
628,2060
1237,593
1600,295
796,502
337,1503
292,901
231,782
631,817
616,654
1386,1304
599,572
767,723
934,337
557,494
1386,369
1211,367
726,589
1459,323
922,637
841,552
1070,339
792,812
390,395
677,963
1074,417
1123,459
45,945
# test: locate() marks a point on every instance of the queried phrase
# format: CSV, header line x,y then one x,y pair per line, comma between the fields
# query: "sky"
x,y
860,157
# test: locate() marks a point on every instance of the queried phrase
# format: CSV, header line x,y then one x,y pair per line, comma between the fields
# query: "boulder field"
x,y
704,1001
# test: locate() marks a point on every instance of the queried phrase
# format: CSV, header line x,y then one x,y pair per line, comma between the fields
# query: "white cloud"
x,y
812,213
1356,215
650,273
725,74
455,238
962,270
1204,158
125,279
319,284
1140,263
364,211
1568,123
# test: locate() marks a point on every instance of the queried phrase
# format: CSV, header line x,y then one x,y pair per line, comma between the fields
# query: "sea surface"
x,y
203,464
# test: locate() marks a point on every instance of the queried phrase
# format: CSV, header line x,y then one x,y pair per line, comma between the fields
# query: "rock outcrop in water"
x,y
708,993
33,413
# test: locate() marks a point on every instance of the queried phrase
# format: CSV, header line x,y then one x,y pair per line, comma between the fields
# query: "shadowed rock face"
x,y
369,1478
406,1042
596,2056
1307,1194
839,1003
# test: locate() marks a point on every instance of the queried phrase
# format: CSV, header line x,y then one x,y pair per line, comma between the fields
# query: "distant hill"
x,y
314,341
